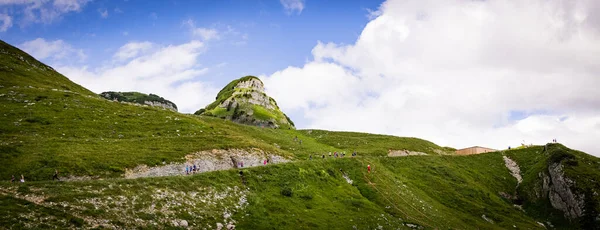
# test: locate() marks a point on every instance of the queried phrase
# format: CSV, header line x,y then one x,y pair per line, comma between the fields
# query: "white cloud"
x,y
56,50
131,50
103,13
205,33
453,71
44,11
292,6
6,22
168,71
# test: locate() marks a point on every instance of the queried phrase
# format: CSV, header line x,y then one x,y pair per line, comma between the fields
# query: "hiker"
x,y
323,156
329,154
22,179
369,168
55,175
187,170
242,164
508,147
265,162
300,141
310,157
12,180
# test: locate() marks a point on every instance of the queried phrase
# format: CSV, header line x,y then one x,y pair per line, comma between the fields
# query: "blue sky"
x,y
263,36
459,73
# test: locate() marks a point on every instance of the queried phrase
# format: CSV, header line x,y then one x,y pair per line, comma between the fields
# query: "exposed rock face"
x,y
403,153
514,169
170,106
216,159
244,101
140,98
557,188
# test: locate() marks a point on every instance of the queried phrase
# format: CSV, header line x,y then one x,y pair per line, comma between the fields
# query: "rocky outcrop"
x,y
514,169
557,188
210,160
244,101
403,153
169,106
140,98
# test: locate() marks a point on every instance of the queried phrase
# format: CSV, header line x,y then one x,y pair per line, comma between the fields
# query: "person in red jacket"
x,y
369,168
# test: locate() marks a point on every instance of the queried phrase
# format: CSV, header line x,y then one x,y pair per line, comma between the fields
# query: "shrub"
x,y
287,191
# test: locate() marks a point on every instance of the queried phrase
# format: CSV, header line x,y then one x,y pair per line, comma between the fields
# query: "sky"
x,y
493,73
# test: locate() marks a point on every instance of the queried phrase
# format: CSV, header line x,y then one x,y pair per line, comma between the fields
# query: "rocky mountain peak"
x,y
244,101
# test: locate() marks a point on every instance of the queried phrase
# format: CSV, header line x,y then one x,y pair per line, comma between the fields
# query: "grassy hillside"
x,y
582,168
48,122
427,191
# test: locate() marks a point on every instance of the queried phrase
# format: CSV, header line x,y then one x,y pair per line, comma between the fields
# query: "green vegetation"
x,y
228,91
577,166
48,123
429,191
136,97
240,105
373,144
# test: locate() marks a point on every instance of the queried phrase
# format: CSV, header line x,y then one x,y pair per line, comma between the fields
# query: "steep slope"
x,y
18,69
560,185
244,101
140,98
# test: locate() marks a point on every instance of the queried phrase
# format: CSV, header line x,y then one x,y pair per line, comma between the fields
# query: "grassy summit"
x,y
244,101
48,122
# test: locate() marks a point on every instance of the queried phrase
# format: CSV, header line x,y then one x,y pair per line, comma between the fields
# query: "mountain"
x,y
140,98
123,166
244,101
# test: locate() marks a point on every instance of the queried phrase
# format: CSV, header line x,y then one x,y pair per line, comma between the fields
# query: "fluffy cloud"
x,y
457,72
169,71
54,50
43,11
6,22
292,6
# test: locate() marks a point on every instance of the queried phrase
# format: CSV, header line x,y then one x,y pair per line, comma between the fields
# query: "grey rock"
x,y
557,188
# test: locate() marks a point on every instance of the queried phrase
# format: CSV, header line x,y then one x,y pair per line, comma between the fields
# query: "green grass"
x,y
48,123
429,191
85,135
373,144
578,166
233,112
